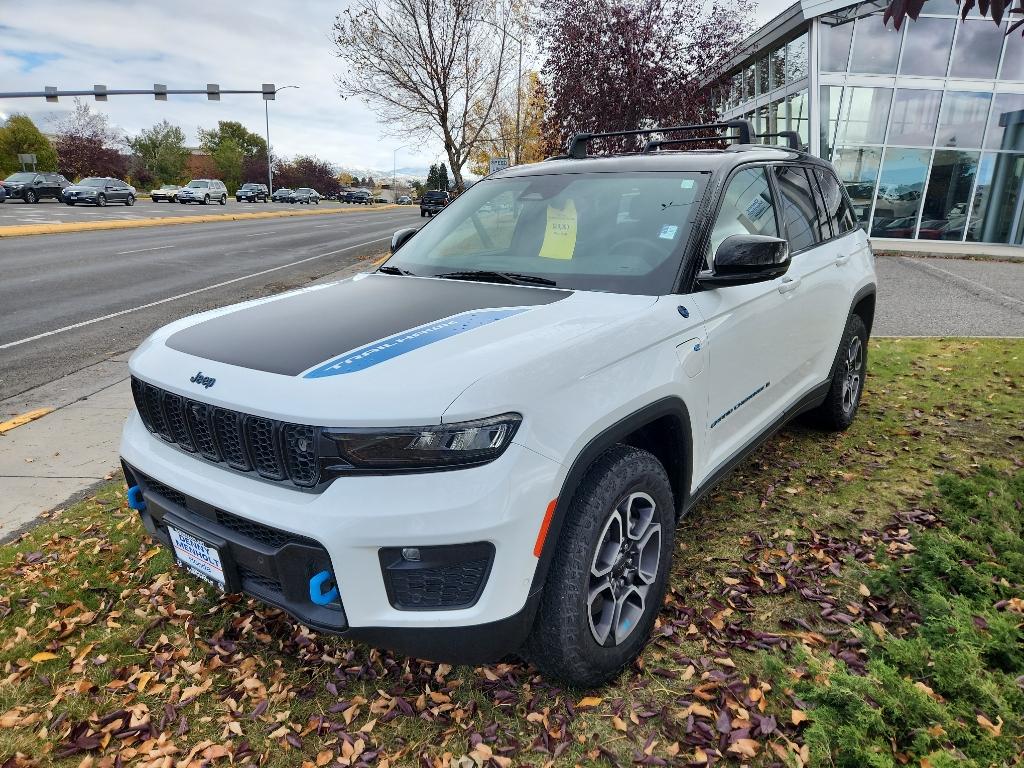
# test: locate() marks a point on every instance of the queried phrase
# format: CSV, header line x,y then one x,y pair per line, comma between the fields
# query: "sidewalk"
x,y
60,457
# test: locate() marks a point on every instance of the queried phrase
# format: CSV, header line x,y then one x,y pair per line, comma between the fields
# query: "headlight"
x,y
462,444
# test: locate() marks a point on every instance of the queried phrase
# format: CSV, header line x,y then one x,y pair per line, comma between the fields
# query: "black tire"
x,y
423,214
69,202
31,197
206,200
101,200
223,199
130,200
840,406
563,642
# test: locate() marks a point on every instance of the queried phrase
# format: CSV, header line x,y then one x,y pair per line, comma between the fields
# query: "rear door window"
x,y
837,207
803,222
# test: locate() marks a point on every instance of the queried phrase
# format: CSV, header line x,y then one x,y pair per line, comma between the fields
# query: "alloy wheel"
x,y
624,566
852,374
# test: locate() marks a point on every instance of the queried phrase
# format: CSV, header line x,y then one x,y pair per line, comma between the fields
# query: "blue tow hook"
x,y
135,500
316,593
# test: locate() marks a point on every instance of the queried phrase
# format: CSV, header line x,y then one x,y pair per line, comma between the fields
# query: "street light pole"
x,y
394,171
270,161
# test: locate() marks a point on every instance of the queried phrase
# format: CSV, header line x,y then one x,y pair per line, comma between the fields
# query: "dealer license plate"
x,y
196,555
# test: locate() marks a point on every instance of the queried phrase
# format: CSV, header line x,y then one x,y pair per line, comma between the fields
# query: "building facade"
x,y
925,125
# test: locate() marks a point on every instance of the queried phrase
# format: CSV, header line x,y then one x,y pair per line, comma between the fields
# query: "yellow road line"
x,y
89,226
25,418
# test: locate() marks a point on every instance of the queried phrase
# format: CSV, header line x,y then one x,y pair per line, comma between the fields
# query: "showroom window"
x,y
798,116
835,46
796,59
1006,128
763,80
997,216
863,115
1013,59
976,52
858,170
926,51
876,46
915,114
952,176
962,119
831,99
898,198
777,67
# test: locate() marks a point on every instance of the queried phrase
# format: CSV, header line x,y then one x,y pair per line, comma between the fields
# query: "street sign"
x,y
27,159
498,163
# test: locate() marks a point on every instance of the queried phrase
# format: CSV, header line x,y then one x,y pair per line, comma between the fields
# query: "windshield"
x,y
169,186
92,181
436,195
198,184
248,186
623,233
21,177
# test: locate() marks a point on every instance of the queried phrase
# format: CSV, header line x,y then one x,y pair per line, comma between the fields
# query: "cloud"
x,y
187,44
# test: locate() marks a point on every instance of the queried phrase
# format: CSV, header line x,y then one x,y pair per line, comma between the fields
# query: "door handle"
x,y
840,260
789,284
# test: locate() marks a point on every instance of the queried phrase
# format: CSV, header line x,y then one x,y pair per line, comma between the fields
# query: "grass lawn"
x,y
848,600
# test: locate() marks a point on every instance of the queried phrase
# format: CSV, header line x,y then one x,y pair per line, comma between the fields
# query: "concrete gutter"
x,y
89,226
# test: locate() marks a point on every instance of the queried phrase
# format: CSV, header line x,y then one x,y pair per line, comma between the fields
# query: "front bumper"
x,y
360,523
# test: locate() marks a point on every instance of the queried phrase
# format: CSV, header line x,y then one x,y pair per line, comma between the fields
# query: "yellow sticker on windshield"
x,y
560,234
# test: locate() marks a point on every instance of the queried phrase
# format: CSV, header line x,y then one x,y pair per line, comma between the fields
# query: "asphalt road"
x,y
68,301
949,297
15,212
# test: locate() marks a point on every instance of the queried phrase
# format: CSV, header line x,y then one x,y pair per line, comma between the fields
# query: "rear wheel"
x,y
608,576
843,399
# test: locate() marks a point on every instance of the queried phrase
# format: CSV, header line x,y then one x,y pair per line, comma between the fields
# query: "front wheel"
x,y
31,197
130,200
206,200
101,201
223,199
609,572
843,399
69,202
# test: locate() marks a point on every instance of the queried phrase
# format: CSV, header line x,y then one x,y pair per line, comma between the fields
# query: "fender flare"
x,y
868,290
669,406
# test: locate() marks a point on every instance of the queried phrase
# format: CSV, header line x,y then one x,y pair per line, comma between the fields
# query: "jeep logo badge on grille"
x,y
204,381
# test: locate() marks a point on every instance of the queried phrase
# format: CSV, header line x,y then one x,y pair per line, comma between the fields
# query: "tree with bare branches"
x,y
428,68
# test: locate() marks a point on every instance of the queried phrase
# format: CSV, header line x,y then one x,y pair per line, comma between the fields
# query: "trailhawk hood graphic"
x,y
353,325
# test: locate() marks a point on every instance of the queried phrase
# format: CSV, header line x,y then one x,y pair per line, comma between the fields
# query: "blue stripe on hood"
x,y
391,347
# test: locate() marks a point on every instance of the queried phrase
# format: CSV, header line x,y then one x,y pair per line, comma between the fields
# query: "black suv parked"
x,y
361,197
99,190
433,202
33,187
252,193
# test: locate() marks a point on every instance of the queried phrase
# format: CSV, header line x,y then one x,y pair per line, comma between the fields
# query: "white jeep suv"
x,y
484,446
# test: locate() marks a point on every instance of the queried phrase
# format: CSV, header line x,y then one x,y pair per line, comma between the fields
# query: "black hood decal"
x,y
293,334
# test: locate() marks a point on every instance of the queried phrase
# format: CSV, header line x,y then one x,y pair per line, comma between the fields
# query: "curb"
x,y
22,230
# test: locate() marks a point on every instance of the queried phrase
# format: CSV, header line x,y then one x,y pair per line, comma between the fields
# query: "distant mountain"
x,y
405,175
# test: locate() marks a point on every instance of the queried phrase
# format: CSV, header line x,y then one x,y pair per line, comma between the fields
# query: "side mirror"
x,y
401,237
745,259
38,182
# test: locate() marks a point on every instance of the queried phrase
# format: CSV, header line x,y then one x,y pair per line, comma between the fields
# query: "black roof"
x,y
699,160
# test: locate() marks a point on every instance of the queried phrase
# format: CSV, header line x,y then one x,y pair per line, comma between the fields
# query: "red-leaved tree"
x,y
305,171
87,145
624,64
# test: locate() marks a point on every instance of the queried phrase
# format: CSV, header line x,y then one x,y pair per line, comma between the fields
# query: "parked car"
x,y
33,187
380,199
359,197
3,194
251,192
581,383
166,192
433,202
304,195
204,191
99,190
405,200
281,195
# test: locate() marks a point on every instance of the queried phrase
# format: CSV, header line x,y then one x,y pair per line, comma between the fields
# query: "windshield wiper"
x,y
388,269
488,276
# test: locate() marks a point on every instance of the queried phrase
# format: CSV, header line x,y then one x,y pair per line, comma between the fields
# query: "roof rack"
x,y
745,134
654,144
792,138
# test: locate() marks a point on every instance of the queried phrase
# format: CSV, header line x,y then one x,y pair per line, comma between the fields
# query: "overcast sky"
x,y
189,43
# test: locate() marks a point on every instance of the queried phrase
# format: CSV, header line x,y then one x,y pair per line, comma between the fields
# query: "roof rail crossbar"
x,y
578,143
654,144
792,138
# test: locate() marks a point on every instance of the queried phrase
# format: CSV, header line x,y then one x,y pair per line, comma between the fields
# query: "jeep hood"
x,y
374,350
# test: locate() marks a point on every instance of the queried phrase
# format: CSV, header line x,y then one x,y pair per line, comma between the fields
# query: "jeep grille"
x,y
274,450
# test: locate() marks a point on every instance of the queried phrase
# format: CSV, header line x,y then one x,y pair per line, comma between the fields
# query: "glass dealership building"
x,y
925,125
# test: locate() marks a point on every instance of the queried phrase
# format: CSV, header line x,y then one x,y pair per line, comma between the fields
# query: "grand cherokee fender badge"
x,y
385,349
203,381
